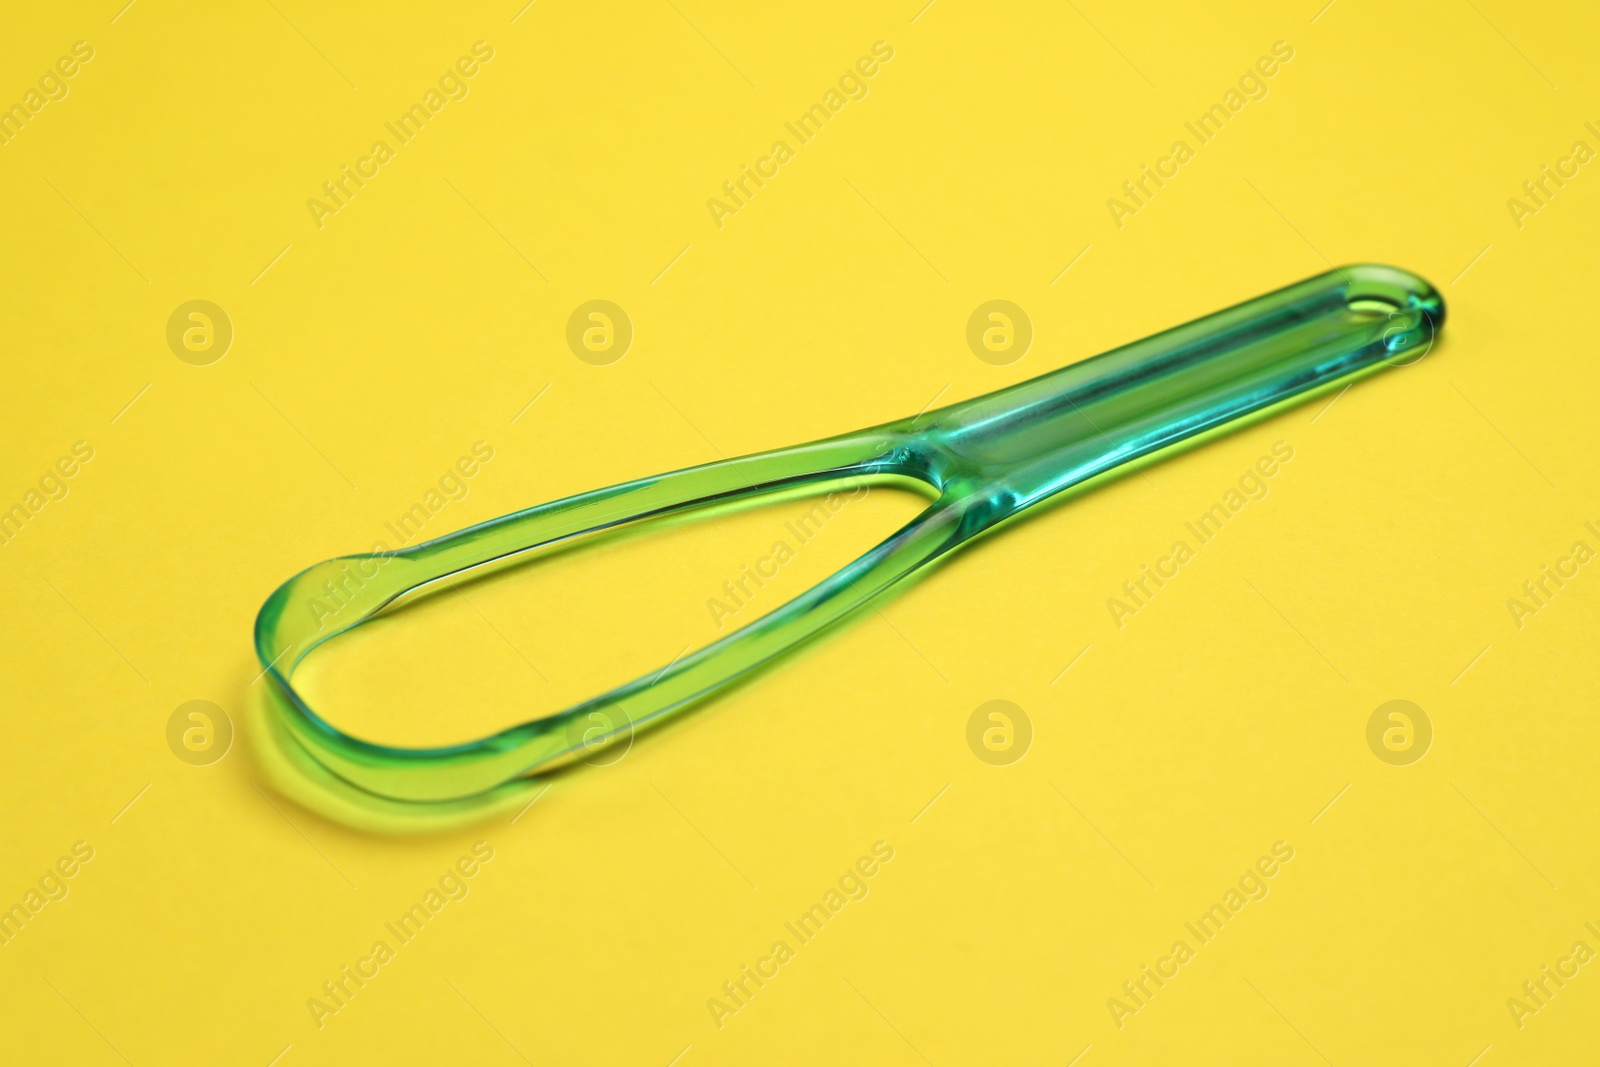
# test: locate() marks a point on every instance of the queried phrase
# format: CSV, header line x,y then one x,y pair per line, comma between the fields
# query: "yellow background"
x,y
427,314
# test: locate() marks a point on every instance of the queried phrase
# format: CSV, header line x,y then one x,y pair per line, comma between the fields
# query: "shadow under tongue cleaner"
x,y
986,460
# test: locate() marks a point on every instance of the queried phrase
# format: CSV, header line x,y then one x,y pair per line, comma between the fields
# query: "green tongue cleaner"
x,y
987,460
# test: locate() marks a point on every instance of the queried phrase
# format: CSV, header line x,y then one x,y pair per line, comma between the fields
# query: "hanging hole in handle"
x,y
1374,287
1411,309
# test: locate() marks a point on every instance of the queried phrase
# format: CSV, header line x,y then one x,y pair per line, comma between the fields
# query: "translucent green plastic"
x,y
986,460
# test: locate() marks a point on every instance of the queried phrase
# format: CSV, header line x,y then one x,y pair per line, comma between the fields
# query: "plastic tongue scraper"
x,y
987,460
